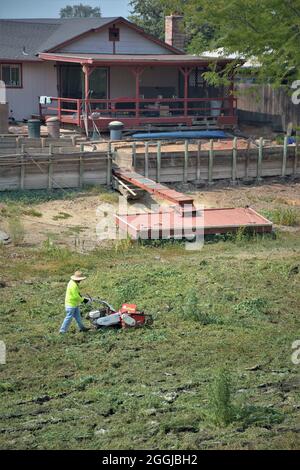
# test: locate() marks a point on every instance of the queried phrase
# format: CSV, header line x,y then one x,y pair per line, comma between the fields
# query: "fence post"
x,y
22,175
234,157
284,157
73,140
210,162
18,141
259,160
146,159
109,165
81,170
134,155
158,162
186,158
198,169
50,168
296,154
247,159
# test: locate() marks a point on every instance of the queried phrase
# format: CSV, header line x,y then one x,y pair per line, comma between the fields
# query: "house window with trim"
x,y
11,75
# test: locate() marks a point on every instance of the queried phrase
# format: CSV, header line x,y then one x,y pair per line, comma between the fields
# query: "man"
x,y
72,301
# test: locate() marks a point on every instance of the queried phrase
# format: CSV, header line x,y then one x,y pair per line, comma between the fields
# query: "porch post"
x,y
86,71
231,97
186,73
137,71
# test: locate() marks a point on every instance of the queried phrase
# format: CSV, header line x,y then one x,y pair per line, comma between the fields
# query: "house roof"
x,y
24,39
127,59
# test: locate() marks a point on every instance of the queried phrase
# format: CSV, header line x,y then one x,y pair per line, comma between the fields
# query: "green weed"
x,y
61,216
32,212
220,401
16,230
254,307
283,216
192,310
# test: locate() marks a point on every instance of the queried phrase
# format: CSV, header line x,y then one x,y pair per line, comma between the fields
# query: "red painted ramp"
x,y
168,223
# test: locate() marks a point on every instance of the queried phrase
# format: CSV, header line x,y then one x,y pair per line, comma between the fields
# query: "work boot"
x,y
84,330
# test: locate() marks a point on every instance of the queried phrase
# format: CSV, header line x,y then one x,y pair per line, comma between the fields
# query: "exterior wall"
x,y
131,42
122,80
39,79
160,76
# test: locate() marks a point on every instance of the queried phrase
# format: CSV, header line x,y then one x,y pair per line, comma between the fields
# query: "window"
x,y
114,34
11,75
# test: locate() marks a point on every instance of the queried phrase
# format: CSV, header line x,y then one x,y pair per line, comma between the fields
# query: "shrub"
x,y
16,230
221,408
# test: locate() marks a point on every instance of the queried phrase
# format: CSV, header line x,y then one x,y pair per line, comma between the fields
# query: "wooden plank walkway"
x,y
154,188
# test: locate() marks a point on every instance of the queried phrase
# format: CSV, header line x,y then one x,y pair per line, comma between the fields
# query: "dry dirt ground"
x,y
78,217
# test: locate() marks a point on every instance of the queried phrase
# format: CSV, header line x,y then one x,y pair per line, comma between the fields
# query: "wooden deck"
x,y
136,113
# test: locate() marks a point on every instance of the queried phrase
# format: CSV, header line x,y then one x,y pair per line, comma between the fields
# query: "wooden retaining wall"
x,y
210,165
52,166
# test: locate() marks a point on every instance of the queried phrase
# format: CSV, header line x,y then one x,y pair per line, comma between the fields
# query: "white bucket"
x,y
215,108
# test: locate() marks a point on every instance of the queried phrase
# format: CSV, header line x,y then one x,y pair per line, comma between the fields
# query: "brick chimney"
x,y
174,31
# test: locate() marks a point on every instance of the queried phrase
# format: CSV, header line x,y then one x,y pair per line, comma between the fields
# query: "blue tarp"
x,y
183,135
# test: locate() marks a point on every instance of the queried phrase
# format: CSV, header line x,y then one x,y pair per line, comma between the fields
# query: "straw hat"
x,y
78,276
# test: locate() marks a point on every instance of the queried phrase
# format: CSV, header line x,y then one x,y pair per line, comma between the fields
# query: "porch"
x,y
141,91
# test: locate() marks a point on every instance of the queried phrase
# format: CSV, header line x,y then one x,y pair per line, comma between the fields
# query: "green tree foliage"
x,y
150,15
80,11
267,30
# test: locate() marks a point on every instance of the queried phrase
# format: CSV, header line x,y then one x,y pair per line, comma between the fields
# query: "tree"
x,y
266,30
150,15
80,11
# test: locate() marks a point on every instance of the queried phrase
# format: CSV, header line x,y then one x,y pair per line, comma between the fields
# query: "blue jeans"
x,y
71,312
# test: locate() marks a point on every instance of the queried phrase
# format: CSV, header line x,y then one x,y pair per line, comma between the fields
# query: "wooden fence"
x,y
52,166
207,166
264,104
60,164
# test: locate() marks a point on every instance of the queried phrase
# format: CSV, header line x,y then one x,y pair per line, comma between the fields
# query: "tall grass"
x,y
220,401
16,230
283,216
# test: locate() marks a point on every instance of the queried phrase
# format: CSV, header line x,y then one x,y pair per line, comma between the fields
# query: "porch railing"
x,y
69,109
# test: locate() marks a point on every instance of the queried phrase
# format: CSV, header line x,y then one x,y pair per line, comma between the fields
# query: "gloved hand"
x,y
87,299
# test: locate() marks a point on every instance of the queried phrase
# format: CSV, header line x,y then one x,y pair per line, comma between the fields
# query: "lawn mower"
x,y
128,316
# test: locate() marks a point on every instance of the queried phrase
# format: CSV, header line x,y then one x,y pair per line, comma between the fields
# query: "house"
x,y
73,67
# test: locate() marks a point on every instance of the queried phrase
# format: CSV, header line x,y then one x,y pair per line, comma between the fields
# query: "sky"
x,y
51,8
